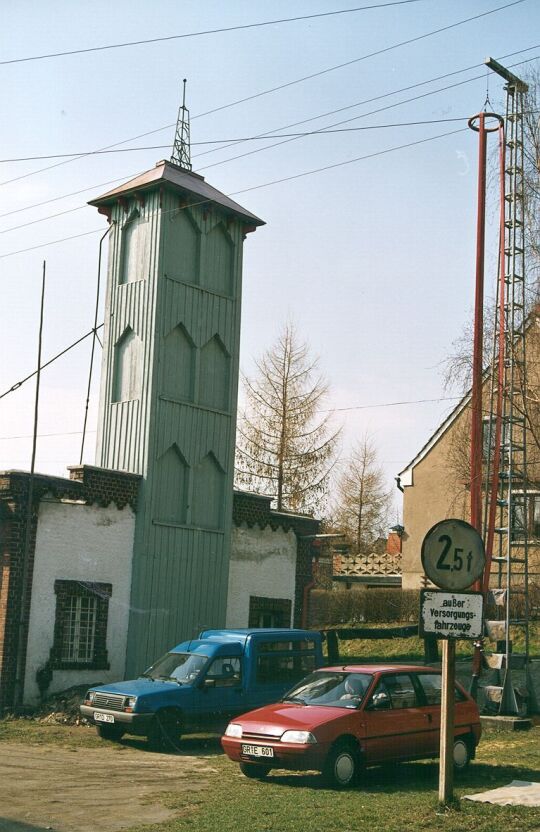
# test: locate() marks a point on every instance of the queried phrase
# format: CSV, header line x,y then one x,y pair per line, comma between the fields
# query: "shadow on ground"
x,y
416,777
7,825
190,746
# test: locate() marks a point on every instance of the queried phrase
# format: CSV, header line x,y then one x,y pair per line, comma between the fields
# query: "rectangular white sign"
x,y
451,614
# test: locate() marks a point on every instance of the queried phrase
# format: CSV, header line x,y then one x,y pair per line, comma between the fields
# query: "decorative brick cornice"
x,y
104,485
252,510
14,486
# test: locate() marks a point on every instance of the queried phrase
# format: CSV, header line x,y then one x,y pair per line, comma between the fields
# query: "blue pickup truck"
x,y
202,683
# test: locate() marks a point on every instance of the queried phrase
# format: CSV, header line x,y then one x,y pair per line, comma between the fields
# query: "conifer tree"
x,y
363,500
286,445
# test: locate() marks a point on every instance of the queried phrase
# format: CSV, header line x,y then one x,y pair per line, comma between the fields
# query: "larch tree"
x,y
286,445
362,497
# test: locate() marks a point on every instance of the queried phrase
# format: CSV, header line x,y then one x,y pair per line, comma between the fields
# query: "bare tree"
x,y
363,500
286,448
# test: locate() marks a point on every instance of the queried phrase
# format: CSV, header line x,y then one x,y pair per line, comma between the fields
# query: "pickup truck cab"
x,y
202,683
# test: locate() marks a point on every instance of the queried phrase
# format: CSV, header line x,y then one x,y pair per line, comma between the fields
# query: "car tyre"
x,y
114,733
462,753
342,766
255,771
166,731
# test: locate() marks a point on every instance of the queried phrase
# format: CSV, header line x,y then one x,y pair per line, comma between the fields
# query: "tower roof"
x,y
184,181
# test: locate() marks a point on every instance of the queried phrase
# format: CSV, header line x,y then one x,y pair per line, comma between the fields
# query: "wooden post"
x,y
446,759
333,646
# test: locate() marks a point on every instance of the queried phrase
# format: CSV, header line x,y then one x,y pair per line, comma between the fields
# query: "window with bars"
x,y
80,631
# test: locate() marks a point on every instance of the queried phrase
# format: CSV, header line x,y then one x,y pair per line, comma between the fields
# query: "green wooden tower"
x,y
169,393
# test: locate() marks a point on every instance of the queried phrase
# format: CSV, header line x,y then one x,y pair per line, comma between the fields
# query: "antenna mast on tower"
x,y
181,154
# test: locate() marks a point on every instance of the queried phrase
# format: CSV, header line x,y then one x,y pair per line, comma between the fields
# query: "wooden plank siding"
x,y
187,300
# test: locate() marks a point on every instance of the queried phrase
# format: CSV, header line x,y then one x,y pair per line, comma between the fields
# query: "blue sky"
x,y
373,260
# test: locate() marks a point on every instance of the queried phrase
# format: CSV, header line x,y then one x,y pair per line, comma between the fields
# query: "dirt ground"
x,y
89,789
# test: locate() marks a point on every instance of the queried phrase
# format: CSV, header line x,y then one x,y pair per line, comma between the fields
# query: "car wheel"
x,y
110,732
342,766
255,771
166,731
462,753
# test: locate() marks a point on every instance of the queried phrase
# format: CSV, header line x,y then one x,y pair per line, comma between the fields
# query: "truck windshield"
x,y
331,688
177,667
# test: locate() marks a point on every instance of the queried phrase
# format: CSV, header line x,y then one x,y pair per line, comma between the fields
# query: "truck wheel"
x,y
342,766
462,753
110,732
166,731
255,771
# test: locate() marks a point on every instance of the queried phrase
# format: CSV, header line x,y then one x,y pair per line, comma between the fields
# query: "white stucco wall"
x,y
81,543
263,562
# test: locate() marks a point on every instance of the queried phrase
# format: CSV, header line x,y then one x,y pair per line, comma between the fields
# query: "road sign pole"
x,y
446,767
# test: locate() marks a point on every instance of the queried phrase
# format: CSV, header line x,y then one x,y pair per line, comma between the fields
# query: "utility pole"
x,y
25,571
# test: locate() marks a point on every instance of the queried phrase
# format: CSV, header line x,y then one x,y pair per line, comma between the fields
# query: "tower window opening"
x,y
134,249
126,376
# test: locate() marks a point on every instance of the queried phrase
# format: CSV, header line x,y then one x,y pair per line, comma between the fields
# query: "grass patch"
x,y
35,732
399,798
412,649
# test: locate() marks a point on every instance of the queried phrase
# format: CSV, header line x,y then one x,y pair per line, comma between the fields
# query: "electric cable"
x,y
50,361
240,139
369,100
221,30
311,133
330,410
282,86
262,185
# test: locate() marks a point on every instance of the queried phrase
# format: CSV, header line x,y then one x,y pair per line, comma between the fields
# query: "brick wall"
x,y
255,510
86,484
104,486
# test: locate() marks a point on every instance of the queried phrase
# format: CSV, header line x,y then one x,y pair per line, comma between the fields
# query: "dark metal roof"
x,y
165,173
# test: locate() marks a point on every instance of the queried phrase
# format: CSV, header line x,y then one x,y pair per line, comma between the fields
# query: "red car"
x,y
339,719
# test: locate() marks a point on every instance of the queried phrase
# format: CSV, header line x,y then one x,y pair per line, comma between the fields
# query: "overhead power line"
x,y
50,361
221,30
295,124
388,404
281,86
51,243
304,134
264,184
294,176
378,406
348,162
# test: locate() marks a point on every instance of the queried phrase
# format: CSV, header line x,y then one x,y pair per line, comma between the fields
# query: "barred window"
x,y
80,629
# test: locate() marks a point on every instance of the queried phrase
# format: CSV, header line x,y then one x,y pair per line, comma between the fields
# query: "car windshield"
x,y
334,689
183,668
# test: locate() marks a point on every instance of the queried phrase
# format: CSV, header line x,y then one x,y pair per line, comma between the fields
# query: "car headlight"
x,y
233,730
131,701
300,737
90,696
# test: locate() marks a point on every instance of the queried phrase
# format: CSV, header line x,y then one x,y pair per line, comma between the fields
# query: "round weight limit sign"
x,y
453,554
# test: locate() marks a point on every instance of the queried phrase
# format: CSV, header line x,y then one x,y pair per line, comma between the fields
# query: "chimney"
x,y
393,542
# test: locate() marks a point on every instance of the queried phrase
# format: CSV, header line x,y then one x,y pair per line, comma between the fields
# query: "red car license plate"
x,y
257,750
